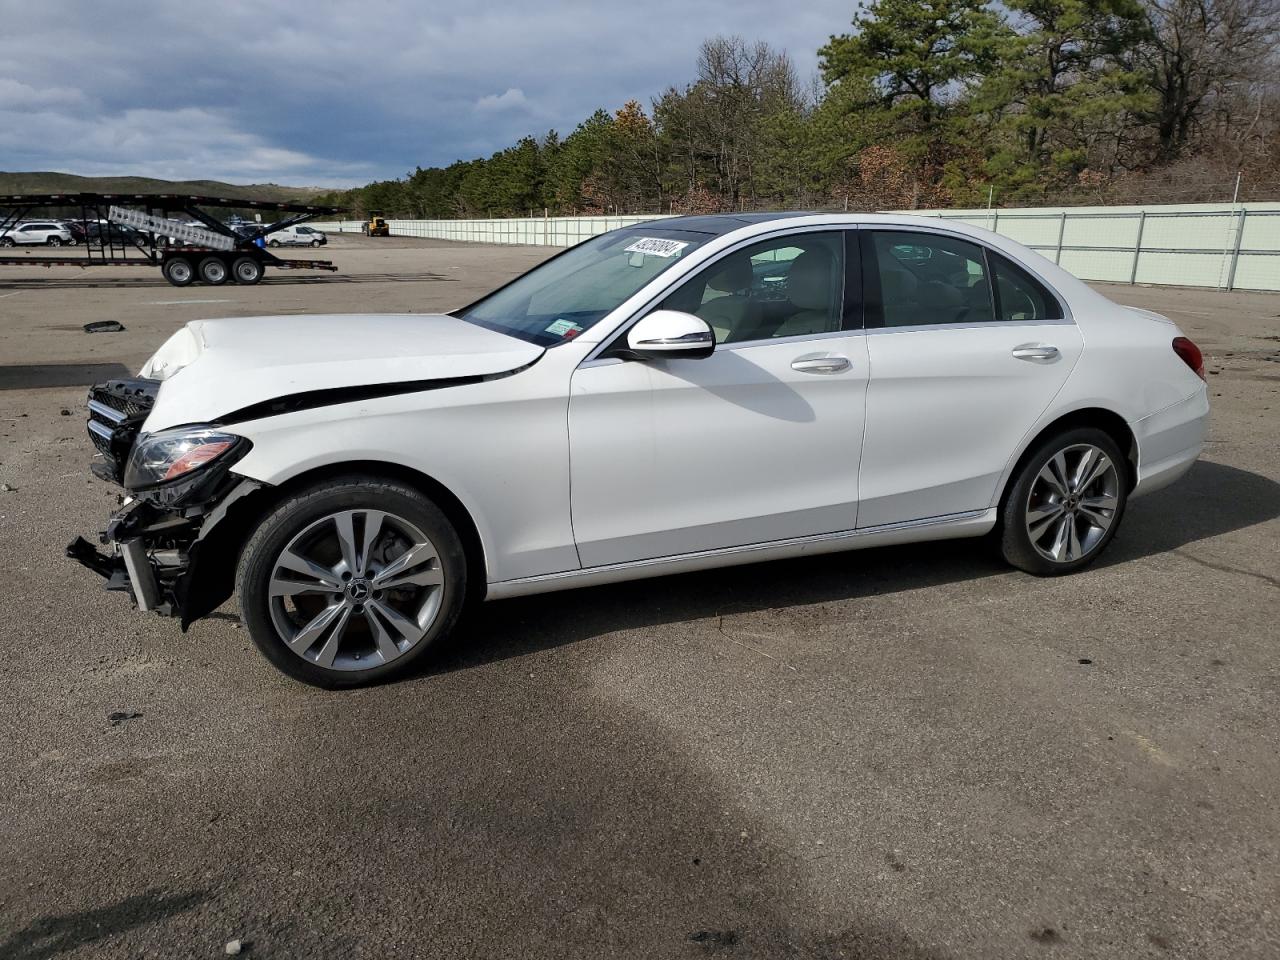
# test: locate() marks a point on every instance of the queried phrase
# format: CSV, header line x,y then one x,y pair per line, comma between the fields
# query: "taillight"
x,y
1190,355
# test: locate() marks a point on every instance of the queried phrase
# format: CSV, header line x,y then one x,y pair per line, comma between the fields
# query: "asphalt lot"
x,y
897,753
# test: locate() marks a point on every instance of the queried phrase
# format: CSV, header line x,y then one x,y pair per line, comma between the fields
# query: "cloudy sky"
x,y
338,92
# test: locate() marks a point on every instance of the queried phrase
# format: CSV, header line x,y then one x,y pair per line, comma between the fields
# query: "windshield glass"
x,y
561,298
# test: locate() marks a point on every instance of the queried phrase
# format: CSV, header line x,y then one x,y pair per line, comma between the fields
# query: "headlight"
x,y
171,454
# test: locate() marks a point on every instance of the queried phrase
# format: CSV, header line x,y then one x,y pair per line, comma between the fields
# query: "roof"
x,y
722,223
169,201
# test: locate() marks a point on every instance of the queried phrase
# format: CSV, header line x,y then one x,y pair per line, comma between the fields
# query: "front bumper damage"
x,y
165,546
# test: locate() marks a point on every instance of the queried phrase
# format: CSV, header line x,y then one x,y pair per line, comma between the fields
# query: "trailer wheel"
x,y
246,270
213,271
179,271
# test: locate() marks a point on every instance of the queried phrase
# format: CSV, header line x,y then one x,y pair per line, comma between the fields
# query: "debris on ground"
x,y
5,488
104,326
120,716
233,947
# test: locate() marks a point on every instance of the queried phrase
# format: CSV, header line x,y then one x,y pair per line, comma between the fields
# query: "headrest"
x,y
809,280
732,275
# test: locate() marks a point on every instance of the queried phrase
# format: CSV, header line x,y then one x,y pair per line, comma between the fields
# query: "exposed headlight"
x,y
171,454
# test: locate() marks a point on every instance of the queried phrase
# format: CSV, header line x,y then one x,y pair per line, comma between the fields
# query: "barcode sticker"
x,y
657,247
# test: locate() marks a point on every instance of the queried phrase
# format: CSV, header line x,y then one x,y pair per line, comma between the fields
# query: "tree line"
x,y
923,103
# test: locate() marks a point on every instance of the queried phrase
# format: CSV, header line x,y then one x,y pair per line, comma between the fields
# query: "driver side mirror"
x,y
670,334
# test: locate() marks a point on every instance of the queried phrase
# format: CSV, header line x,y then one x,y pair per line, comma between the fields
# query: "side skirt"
x,y
974,523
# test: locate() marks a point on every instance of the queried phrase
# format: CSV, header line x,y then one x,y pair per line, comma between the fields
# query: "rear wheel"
x,y
246,270
54,241
1065,504
213,270
351,582
179,271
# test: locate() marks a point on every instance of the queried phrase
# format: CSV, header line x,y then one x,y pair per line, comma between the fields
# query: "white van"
x,y
297,236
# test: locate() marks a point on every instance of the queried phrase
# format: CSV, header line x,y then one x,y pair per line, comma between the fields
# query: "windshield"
x,y
569,293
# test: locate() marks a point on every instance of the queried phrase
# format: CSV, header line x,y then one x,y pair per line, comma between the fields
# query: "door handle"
x,y
834,364
1036,352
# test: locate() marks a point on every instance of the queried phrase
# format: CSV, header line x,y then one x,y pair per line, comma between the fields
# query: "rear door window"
x,y
924,279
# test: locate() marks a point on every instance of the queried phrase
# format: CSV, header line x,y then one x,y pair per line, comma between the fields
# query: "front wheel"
x,y
1065,504
273,243
351,582
315,243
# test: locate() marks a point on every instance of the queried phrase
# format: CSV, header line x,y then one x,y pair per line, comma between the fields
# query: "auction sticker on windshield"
x,y
657,247
564,328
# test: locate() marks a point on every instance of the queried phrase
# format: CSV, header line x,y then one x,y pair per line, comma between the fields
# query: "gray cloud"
x,y
331,92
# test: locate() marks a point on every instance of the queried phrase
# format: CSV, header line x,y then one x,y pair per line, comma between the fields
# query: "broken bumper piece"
x,y
129,567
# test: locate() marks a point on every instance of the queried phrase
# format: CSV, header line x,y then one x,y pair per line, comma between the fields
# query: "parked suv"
x,y
297,236
44,231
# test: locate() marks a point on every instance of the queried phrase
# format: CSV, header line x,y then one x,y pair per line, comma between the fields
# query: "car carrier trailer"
x,y
203,248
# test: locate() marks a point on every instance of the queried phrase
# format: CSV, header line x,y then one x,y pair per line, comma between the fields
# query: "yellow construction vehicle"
x,y
376,225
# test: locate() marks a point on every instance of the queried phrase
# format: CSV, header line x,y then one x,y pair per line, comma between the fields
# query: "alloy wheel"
x,y
1072,503
356,589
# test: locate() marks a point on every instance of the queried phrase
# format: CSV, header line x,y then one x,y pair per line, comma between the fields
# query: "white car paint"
x,y
41,232
296,236
580,470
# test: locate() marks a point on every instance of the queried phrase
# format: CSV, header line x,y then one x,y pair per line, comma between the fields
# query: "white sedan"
x,y
683,394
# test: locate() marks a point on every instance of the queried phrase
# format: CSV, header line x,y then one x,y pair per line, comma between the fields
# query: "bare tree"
x,y
1197,51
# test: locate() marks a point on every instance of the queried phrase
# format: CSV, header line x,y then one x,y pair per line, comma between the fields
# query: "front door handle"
x,y
1036,352
835,364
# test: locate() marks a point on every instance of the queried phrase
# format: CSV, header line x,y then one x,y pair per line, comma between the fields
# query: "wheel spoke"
x,y
1049,475
1099,468
300,564
305,638
1059,548
344,524
1083,468
286,587
330,649
1100,510
426,577
419,553
369,539
406,627
1074,550
1040,519
386,644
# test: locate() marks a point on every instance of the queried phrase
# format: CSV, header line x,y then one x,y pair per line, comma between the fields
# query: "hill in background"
x,y
46,182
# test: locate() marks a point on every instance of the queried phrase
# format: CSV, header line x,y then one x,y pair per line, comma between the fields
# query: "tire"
x,y
273,243
54,241
7,242
315,243
179,272
213,271
1051,523
361,624
246,270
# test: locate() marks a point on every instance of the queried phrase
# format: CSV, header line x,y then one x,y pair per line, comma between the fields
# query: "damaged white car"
x,y
683,394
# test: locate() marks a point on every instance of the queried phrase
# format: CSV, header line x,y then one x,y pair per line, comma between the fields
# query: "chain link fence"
x,y
1197,245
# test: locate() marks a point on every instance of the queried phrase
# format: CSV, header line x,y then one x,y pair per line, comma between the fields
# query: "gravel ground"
x,y
897,753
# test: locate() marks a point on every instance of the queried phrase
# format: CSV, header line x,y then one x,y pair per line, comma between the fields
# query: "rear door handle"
x,y
1036,352
835,364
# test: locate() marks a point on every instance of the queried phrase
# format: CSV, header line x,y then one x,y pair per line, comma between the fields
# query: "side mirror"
x,y
673,335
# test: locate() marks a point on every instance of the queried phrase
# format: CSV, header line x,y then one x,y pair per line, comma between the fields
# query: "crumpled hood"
x,y
211,368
